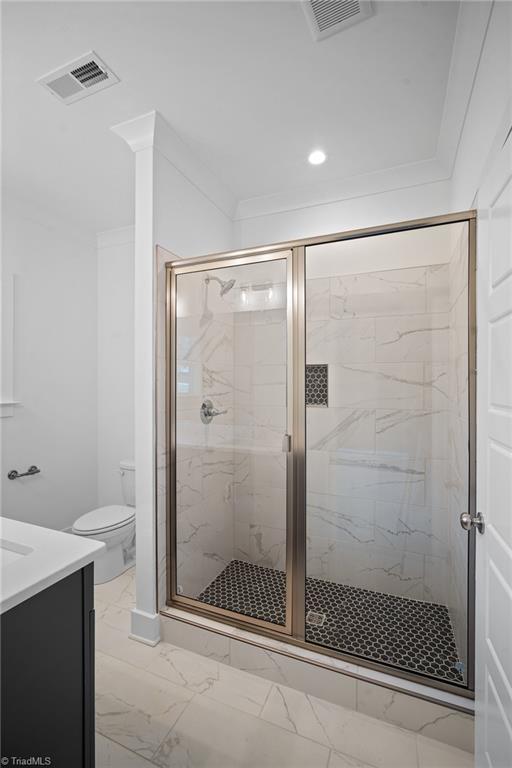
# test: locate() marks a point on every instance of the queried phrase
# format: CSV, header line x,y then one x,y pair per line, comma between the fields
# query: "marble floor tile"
x,y
206,676
423,717
434,754
199,640
112,637
336,760
292,710
212,735
185,668
134,707
119,591
290,672
171,707
364,738
354,738
112,755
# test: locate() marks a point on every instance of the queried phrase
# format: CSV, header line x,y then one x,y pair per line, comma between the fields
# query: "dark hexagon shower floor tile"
x,y
250,590
410,634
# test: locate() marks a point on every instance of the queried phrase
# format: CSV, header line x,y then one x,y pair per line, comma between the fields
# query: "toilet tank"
x,y
127,469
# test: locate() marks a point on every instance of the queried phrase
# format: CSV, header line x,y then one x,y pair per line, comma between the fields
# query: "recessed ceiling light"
x,y
317,157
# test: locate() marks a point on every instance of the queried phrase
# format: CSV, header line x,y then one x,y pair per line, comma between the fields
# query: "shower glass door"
x,y
231,377
387,432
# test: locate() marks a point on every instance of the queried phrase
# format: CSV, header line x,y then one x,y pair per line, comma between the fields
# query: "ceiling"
x,y
242,83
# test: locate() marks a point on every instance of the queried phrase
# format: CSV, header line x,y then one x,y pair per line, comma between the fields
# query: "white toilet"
x,y
115,526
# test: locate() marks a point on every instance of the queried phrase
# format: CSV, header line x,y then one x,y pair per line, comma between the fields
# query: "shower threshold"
x,y
410,634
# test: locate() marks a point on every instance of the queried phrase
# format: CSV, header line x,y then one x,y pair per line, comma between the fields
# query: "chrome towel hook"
x,y
14,474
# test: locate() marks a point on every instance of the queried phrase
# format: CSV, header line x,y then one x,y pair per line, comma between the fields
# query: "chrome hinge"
x,y
286,444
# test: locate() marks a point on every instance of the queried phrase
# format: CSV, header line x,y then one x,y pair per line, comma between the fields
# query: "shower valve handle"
x,y
207,412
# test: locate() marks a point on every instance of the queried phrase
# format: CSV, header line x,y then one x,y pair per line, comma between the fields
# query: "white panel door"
x,y
494,467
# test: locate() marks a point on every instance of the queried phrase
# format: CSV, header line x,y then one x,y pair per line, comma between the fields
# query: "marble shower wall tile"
x,y
260,418
330,429
341,519
378,294
384,439
376,385
378,476
204,543
438,288
204,453
423,434
410,528
413,338
260,545
367,566
261,505
436,385
336,341
318,299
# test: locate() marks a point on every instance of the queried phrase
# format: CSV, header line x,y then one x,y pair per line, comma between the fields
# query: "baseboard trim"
x,y
145,627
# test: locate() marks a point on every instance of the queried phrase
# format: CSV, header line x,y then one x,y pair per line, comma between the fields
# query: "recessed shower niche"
x,y
321,441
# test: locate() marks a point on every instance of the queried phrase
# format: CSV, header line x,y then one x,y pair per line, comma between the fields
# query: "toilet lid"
x,y
103,518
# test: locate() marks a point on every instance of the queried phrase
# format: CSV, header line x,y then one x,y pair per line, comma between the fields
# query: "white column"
x,y
145,623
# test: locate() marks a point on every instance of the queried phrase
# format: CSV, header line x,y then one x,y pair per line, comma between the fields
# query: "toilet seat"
x,y
104,519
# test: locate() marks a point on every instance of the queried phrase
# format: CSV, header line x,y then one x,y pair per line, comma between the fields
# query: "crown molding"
x,y
152,130
399,177
139,132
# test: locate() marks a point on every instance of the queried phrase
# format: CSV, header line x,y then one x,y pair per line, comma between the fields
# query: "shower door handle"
x,y
467,522
286,445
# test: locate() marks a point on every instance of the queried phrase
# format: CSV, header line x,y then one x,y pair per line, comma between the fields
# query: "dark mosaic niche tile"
x,y
317,385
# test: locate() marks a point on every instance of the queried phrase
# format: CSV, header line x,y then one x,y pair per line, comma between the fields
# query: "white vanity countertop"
x,y
33,558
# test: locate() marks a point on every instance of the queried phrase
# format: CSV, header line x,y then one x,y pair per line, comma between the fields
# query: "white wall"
x,y
115,359
54,368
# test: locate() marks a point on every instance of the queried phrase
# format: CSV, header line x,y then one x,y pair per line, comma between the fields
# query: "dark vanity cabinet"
x,y
47,684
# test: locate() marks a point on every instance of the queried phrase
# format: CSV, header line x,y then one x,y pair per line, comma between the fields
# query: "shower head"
x,y
225,285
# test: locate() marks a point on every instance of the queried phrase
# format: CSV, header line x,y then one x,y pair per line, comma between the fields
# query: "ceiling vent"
x,y
326,17
78,79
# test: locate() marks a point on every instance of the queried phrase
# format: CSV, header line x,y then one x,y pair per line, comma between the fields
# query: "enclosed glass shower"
x,y
321,444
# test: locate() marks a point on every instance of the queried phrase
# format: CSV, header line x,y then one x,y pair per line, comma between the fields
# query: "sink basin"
x,y
33,558
10,552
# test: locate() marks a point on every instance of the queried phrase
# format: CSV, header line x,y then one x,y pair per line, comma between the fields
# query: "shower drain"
x,y
315,619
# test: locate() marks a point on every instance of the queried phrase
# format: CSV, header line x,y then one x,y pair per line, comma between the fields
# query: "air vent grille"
x,y
326,17
327,13
78,79
89,74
